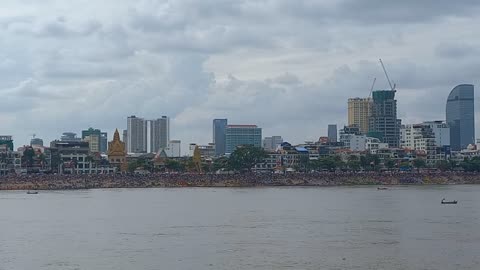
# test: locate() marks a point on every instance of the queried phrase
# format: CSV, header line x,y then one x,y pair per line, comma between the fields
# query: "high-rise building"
x,y
219,126
441,131
93,142
7,142
460,113
332,133
359,110
96,137
236,135
159,133
124,138
136,134
383,122
70,137
36,142
271,143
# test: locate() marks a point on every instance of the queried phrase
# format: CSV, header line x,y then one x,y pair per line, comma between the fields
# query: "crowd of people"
x,y
56,182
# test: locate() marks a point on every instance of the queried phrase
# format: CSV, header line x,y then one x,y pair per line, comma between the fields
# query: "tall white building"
x,y
136,135
159,133
441,131
271,143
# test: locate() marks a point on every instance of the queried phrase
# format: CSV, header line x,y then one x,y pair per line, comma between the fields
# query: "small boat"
x,y
448,202
382,188
32,192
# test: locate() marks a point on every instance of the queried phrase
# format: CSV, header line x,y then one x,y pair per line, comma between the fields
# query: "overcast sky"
x,y
287,66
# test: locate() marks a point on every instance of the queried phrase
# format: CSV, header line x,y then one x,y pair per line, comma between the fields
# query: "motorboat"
x,y
382,188
448,202
32,192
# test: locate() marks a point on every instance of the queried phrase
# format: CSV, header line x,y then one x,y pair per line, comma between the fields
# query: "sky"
x,y
287,66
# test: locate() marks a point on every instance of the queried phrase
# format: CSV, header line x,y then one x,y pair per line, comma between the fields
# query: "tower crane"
x,y
392,87
371,88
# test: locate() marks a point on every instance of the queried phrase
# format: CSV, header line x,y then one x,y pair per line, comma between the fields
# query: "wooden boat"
x,y
448,202
32,192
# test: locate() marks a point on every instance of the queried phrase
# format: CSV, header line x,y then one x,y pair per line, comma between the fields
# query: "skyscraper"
x,y
136,135
383,122
159,133
236,135
332,133
460,112
359,110
219,126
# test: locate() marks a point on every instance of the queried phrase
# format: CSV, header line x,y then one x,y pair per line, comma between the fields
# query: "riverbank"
x,y
61,182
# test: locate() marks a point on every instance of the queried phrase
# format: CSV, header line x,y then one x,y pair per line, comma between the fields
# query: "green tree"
x,y
389,163
246,157
28,157
419,163
304,163
220,163
443,165
174,165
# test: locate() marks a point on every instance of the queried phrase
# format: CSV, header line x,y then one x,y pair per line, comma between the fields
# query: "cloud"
x,y
288,66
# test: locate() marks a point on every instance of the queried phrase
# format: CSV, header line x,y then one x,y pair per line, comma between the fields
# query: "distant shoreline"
x,y
67,182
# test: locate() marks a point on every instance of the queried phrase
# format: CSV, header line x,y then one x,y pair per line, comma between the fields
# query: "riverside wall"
x,y
63,182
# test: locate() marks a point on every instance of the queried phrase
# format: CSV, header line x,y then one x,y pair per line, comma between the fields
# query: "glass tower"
x,y
219,126
460,113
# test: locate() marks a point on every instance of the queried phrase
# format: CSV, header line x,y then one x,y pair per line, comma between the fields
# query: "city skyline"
x,y
69,67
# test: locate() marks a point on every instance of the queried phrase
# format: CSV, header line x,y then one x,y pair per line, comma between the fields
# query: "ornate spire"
x,y
116,135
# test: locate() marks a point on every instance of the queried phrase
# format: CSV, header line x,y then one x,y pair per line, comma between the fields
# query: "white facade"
x,y
173,149
136,135
271,143
441,131
360,143
357,142
373,144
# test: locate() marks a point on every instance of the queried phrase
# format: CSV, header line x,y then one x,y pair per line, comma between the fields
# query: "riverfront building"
x,y
97,139
332,133
219,126
271,143
359,110
460,112
441,131
7,142
236,135
383,122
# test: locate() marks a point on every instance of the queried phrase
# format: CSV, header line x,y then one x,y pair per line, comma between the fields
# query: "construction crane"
x,y
392,87
371,88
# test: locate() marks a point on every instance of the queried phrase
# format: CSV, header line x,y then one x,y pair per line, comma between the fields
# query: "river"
x,y
242,228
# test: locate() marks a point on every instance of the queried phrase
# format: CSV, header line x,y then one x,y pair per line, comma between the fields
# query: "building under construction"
x,y
383,122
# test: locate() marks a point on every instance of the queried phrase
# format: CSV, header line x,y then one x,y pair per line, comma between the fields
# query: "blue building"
x,y
460,114
236,135
219,126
